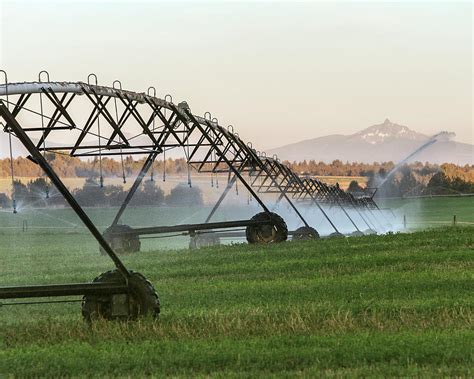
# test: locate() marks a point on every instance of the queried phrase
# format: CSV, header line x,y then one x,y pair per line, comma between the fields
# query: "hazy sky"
x,y
280,72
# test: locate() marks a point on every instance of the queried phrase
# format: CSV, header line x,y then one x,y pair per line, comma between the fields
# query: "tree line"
x,y
419,180
339,168
412,179
67,166
73,167
39,193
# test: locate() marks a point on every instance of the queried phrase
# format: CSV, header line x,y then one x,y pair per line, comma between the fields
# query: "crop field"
x,y
397,304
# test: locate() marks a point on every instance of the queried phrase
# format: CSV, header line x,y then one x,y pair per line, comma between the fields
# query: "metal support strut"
x,y
14,126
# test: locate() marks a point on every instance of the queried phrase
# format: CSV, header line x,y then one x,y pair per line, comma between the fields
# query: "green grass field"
x,y
436,211
393,305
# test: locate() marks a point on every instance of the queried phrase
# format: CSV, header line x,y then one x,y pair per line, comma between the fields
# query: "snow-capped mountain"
x,y
388,131
387,141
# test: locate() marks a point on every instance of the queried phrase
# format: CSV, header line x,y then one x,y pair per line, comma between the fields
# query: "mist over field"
x,y
251,189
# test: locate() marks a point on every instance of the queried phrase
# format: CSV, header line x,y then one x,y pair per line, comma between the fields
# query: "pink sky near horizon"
x,y
279,72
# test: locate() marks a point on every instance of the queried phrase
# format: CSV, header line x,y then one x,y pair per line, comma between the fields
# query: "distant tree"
x,y
385,187
149,194
183,195
90,194
389,189
114,195
382,173
354,187
5,201
409,186
21,192
441,184
38,188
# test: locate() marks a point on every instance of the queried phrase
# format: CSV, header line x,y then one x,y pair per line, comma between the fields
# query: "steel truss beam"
x,y
56,290
208,146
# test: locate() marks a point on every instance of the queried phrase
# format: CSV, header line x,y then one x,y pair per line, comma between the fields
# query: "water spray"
x,y
444,135
271,178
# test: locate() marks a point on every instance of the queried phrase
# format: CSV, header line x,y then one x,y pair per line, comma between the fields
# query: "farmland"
x,y
435,211
398,304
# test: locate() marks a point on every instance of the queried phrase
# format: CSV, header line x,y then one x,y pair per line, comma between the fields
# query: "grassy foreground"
x,y
398,304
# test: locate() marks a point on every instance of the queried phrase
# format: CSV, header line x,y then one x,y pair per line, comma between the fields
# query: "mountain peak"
x,y
383,142
387,131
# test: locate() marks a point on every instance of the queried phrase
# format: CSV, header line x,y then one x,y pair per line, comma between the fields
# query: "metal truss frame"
x,y
208,146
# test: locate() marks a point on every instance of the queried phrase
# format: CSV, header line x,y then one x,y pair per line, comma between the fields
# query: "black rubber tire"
x,y
143,299
304,233
336,235
120,240
265,234
357,233
204,240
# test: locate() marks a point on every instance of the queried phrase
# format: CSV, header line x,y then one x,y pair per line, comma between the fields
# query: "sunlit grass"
x,y
399,304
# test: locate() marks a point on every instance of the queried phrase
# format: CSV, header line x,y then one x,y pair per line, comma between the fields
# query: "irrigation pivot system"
x,y
97,121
